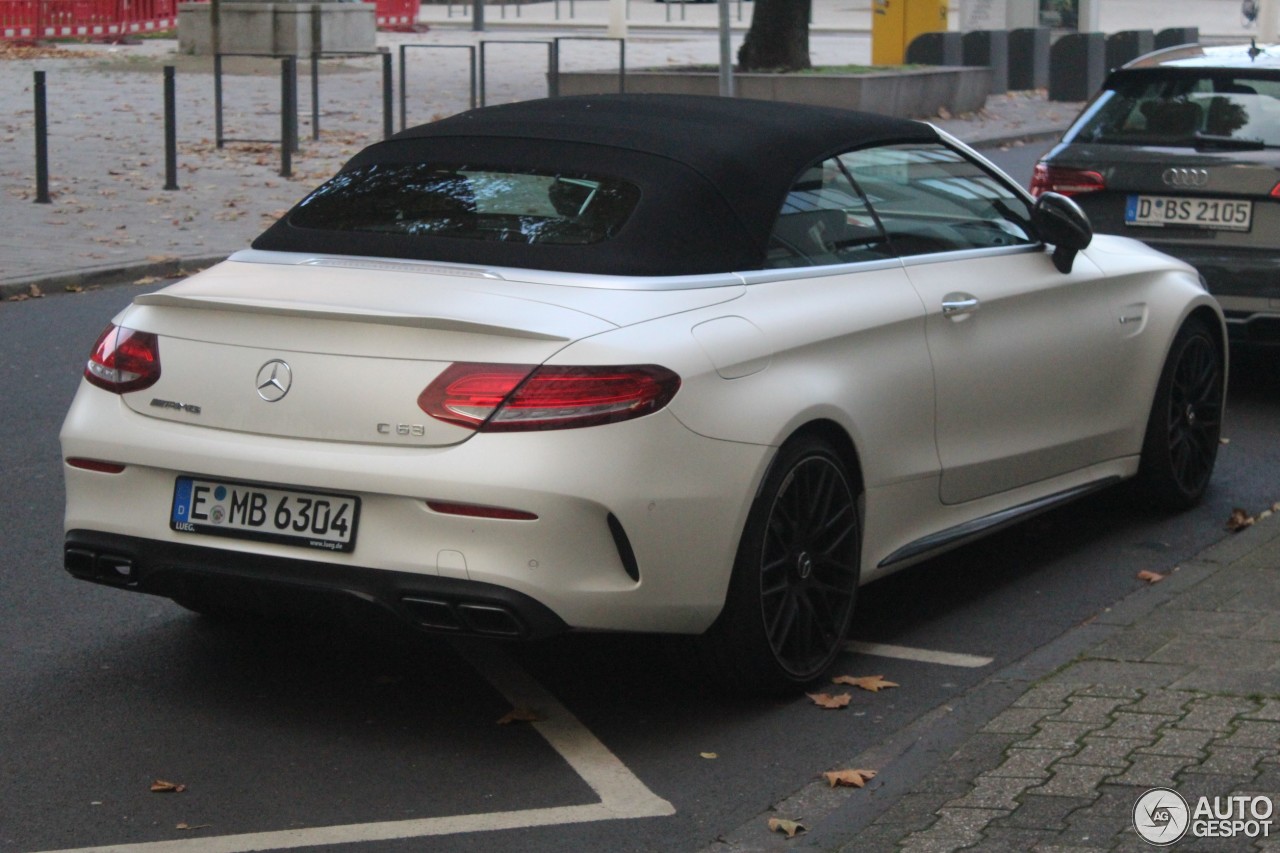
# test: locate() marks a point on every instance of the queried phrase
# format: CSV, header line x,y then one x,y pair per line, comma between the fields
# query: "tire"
x,y
795,577
1185,425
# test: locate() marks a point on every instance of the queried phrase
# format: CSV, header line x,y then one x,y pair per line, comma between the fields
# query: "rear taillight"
x,y
517,397
124,360
1060,179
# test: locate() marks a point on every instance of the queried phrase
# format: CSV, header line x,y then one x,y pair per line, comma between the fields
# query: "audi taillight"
x,y
522,397
1060,179
124,360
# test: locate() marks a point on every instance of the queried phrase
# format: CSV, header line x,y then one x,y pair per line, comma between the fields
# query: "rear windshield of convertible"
x,y
475,203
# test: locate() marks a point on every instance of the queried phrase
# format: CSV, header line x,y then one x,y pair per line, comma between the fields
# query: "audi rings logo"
x,y
274,379
1161,816
1185,178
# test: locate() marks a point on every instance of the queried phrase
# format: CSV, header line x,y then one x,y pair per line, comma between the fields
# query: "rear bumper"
x,y
636,530
256,583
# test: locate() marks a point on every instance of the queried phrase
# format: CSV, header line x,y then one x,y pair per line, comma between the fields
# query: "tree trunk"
x,y
779,37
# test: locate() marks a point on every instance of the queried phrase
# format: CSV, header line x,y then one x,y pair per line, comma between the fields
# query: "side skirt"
x,y
961,534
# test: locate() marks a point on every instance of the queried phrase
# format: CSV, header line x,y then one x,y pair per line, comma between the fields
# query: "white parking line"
x,y
884,650
622,795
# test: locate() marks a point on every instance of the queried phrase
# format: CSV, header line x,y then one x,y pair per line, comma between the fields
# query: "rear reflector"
x,y
95,465
1066,181
480,511
516,398
124,360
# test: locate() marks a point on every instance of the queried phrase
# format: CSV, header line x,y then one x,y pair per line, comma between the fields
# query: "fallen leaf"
x,y
826,700
1150,576
1239,520
160,786
74,288
849,778
789,827
874,683
944,113
35,292
1224,441
147,279
520,715
708,755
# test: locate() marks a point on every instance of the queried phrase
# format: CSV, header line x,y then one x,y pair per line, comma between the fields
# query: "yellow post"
x,y
896,23
888,18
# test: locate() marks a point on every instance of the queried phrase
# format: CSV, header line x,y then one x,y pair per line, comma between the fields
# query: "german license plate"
x,y
265,513
1223,214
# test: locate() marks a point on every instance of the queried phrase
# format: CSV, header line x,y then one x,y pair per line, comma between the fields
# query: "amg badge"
x,y
190,408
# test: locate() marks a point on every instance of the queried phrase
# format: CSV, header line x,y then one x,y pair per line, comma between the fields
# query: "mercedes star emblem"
x,y
274,379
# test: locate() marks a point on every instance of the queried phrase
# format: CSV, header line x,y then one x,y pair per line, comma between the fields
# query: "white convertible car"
x,y
694,366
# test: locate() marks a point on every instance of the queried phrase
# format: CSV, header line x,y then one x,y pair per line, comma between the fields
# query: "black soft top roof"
x,y
713,173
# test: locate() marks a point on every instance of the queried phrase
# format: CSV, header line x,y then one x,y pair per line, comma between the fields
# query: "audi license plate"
x,y
265,513
1221,214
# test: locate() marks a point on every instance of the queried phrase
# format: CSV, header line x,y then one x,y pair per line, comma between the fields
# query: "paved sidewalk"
x,y
1184,693
1177,686
110,218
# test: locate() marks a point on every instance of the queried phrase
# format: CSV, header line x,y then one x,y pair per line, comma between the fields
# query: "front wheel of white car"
x,y
795,578
1183,432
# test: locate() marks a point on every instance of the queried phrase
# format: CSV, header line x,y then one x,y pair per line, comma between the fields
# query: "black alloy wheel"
x,y
795,579
1182,438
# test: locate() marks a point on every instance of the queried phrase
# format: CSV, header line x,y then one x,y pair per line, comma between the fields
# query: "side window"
x,y
932,199
824,220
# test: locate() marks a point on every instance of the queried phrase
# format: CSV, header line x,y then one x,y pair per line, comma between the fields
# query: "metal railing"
x,y
553,85
404,83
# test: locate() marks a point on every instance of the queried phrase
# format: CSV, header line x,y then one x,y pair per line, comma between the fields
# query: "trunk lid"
x,y
341,352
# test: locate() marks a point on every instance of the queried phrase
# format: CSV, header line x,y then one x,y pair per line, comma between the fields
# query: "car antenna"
x,y
1254,50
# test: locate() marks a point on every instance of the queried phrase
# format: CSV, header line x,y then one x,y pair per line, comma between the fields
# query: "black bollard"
x,y
170,130
42,143
288,115
388,99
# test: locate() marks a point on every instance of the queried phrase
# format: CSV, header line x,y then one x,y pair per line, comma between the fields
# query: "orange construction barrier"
x,y
397,15
41,19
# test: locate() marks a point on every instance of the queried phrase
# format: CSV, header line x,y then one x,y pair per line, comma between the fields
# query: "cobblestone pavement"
x,y
1185,695
1177,686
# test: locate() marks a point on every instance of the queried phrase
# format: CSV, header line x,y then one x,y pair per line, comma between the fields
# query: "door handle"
x,y
958,304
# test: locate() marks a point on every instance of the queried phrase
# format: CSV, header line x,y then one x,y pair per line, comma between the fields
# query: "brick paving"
x,y
1062,767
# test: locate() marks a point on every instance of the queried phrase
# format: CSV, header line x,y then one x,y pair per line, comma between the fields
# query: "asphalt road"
x,y
288,729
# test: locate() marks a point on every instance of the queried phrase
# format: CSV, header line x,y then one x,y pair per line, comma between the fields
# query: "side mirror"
x,y
1060,221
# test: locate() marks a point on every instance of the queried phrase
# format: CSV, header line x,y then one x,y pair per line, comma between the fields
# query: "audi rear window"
x,y
470,203
1175,107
